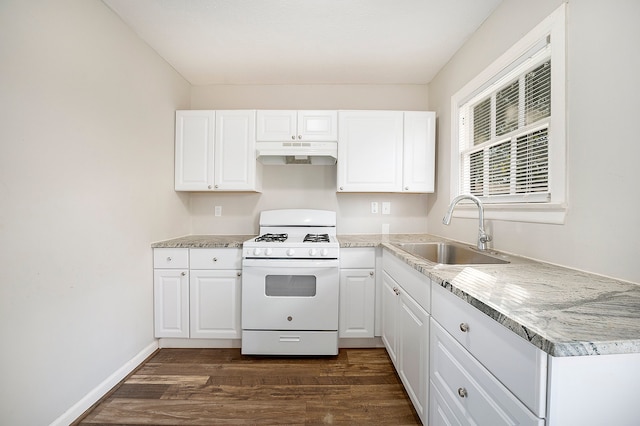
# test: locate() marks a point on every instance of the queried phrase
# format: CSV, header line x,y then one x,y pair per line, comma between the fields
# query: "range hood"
x,y
315,153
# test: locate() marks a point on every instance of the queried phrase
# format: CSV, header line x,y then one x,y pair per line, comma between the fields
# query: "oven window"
x,y
290,285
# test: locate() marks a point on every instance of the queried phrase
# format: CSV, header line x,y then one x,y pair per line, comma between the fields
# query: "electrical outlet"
x,y
386,207
374,207
218,211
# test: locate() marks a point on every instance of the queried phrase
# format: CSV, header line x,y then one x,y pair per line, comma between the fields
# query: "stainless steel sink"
x,y
449,254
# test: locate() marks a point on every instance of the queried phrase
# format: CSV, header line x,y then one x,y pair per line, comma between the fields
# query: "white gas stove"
x,y
294,234
290,285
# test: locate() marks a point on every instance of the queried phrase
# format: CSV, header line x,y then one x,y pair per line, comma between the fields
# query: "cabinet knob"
x,y
293,137
217,186
209,186
464,327
462,392
169,259
183,273
238,273
371,273
299,136
341,188
406,188
215,259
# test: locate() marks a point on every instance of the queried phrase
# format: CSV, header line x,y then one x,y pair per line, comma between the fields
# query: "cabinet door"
x,y
413,352
171,302
194,150
440,414
317,125
390,316
370,151
215,304
357,303
276,126
235,151
419,151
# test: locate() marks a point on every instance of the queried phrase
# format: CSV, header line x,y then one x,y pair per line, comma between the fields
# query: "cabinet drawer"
x,y
469,390
357,258
170,258
258,342
417,285
519,365
216,258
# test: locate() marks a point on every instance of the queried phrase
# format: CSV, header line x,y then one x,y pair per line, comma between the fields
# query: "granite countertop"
x,y
562,311
204,241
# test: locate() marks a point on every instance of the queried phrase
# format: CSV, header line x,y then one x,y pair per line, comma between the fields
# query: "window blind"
x,y
504,133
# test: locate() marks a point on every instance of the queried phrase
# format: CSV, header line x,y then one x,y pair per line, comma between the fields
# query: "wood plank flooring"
x,y
221,386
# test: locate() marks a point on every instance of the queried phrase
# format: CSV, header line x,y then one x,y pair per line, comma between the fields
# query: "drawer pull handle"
x,y
169,259
464,327
396,291
462,392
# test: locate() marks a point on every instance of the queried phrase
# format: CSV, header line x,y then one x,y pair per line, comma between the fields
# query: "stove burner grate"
x,y
270,238
316,238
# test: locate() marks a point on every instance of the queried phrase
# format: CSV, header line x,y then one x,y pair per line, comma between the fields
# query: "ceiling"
x,y
305,41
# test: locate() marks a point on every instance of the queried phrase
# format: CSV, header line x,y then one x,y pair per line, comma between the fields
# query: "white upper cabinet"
x,y
235,151
194,150
419,151
370,151
215,151
284,125
386,151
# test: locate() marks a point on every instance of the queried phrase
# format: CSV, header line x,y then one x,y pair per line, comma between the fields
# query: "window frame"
x,y
552,28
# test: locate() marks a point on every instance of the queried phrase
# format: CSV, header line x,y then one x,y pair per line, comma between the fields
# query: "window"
x,y
508,132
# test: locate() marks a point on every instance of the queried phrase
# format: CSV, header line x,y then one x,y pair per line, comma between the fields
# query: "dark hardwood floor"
x,y
221,386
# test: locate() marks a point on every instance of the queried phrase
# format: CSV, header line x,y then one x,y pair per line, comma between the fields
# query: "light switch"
x,y
374,207
217,211
386,207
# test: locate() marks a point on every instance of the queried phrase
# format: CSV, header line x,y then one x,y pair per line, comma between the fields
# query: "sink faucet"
x,y
483,237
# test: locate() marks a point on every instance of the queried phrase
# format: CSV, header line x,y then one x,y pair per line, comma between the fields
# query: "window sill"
x,y
534,213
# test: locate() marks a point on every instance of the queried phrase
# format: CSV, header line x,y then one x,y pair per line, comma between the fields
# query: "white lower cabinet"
x,y
171,292
482,373
171,302
405,328
214,304
471,394
357,292
200,296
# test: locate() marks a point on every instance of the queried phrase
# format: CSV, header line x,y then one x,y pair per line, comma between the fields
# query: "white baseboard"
x,y
99,391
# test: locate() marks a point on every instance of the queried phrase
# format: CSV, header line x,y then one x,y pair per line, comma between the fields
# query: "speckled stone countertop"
x,y
562,311
204,241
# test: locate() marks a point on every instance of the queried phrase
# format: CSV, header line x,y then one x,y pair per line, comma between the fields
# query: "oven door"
x,y
290,294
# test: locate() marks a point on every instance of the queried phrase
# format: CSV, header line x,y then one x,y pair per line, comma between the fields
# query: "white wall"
x,y
602,232
308,186
86,184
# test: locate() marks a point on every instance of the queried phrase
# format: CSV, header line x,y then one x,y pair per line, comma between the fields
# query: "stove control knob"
x,y
313,252
268,252
256,251
291,252
324,252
